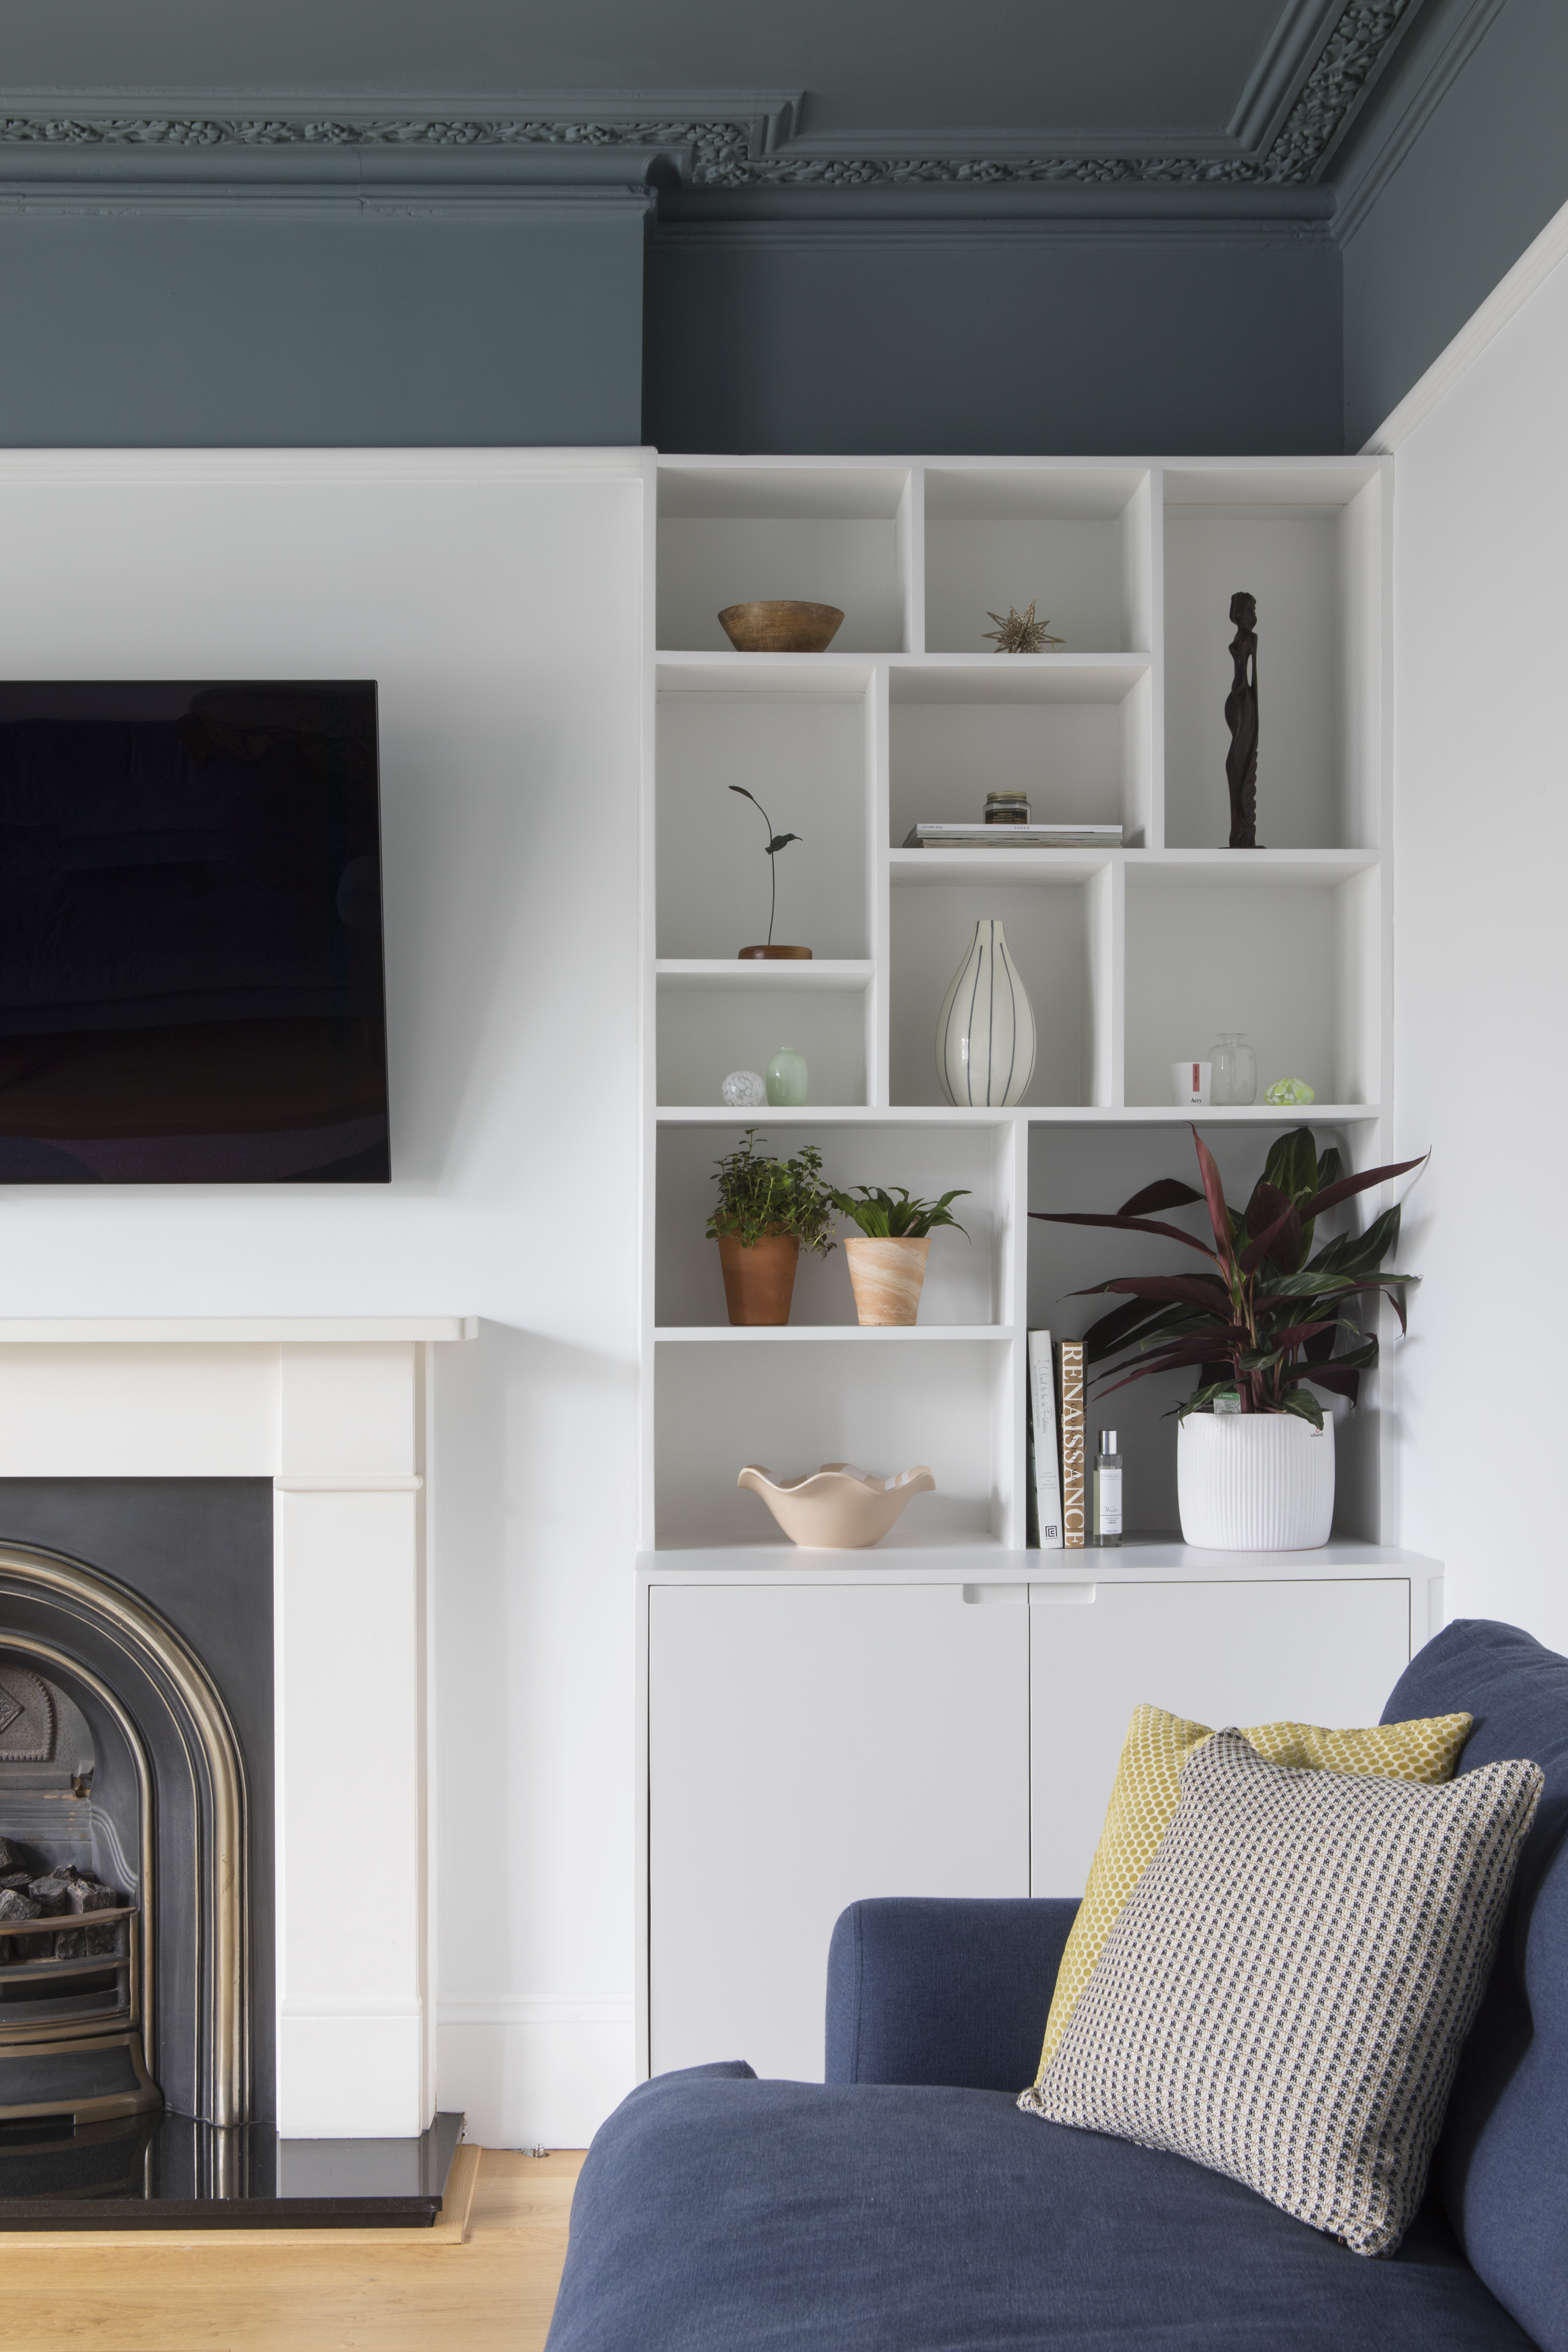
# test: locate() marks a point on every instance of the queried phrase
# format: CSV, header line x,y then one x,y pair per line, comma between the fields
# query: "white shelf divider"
x,y
845,974
854,1334
1109,1114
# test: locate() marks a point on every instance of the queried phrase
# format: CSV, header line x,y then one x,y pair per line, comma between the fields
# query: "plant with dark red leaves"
x,y
1263,1319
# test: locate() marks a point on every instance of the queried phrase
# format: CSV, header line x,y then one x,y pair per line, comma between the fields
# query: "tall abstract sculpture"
x,y
1241,718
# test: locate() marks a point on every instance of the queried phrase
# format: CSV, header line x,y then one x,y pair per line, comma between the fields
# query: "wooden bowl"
x,y
781,628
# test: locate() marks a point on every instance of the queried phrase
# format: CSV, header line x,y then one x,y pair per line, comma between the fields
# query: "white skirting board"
x,y
532,2073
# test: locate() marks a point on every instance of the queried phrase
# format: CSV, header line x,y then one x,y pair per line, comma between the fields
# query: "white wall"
x,y
1480,975
498,599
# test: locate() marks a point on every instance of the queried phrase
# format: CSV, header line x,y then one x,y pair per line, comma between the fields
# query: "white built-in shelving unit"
x,y
1133,958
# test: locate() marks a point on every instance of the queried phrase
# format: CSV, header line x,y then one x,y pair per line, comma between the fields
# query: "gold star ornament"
x,y
1020,633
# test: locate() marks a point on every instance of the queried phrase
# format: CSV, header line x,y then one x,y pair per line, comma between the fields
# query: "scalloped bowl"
x,y
836,1508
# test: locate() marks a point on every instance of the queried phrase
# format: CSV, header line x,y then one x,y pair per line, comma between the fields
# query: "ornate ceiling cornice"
x,y
721,141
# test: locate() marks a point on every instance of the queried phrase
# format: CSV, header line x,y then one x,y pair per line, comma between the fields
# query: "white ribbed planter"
x,y
1255,1481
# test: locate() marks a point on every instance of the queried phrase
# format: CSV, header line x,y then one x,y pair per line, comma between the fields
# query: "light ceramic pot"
x,y
985,1034
836,1507
759,1277
1255,1481
887,1276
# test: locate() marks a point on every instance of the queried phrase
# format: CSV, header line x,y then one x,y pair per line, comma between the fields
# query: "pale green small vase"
x,y
787,1079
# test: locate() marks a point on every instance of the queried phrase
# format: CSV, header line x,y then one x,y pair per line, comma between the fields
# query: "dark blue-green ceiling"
x,y
1119,224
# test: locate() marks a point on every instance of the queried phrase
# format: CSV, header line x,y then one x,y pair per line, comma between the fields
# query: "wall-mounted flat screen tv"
x,y
191,980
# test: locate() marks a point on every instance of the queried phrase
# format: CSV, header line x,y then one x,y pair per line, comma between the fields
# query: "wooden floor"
x,y
151,2291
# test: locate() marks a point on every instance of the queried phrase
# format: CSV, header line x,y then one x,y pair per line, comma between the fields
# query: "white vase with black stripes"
x,y
985,1037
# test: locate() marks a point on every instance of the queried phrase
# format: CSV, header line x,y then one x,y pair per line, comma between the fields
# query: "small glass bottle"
x,y
1108,1491
1006,808
1235,1067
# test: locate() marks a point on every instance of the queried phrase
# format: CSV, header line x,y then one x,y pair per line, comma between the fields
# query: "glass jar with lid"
x,y
1235,1068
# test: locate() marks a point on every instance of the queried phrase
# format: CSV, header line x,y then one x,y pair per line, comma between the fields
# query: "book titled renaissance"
x,y
1069,1392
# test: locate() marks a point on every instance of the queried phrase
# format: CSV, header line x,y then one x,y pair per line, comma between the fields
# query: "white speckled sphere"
x,y
744,1090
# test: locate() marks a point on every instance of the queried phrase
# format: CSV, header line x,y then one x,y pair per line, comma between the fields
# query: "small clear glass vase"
x,y
1235,1068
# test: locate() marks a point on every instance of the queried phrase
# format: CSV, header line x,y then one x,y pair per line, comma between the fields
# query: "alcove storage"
x,y
912,1718
1133,957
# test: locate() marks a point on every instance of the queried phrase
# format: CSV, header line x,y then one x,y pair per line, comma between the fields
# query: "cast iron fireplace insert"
x,y
135,1876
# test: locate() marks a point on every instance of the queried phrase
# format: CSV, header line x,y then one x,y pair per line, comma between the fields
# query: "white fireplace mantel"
x,y
333,1411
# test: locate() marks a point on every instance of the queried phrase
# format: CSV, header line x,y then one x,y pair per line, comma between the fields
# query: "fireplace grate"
x,y
52,1997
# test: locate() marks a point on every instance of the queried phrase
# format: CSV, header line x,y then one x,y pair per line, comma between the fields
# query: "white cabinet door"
x,y
809,1746
1267,1653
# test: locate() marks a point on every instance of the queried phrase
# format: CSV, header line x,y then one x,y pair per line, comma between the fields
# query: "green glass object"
x,y
1281,1094
787,1079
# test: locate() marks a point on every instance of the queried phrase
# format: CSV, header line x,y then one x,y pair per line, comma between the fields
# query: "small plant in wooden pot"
x,y
1260,1322
888,1257
766,1212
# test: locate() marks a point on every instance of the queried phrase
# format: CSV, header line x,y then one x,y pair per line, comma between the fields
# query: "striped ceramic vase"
x,y
985,1036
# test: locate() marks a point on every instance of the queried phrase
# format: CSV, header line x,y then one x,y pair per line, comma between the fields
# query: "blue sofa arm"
x,y
922,1990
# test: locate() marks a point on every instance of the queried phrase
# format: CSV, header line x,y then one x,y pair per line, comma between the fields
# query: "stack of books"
x,y
1014,836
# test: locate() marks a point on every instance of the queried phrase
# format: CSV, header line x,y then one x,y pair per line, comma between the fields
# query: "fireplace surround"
x,y
333,1416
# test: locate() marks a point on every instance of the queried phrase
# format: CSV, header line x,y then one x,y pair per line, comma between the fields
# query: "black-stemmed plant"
x,y
776,841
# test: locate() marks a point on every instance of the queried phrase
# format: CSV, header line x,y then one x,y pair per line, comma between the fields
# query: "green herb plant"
x,y
1263,1318
884,1219
760,1196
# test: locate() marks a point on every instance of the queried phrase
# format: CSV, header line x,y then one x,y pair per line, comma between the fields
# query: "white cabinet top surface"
x,y
979,1563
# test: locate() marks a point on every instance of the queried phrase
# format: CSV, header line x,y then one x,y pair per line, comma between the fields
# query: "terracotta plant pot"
x,y
759,1280
887,1276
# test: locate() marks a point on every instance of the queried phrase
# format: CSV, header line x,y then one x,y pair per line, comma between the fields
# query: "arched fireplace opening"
x,y
124,1913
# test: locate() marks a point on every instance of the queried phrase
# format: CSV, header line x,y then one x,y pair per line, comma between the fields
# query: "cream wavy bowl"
x,y
836,1508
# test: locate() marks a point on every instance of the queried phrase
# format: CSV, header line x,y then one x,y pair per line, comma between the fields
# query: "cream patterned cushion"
x,y
1148,1785
1284,1995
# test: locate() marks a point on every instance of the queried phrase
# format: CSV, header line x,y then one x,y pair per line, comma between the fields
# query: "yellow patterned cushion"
x,y
1148,1787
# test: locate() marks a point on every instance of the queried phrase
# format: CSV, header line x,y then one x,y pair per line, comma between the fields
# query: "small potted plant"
x,y
888,1257
1260,1323
767,1212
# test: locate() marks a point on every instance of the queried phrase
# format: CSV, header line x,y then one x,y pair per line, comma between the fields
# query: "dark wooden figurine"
x,y
1241,718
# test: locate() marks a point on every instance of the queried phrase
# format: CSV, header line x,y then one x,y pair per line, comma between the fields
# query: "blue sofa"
x,y
905,2205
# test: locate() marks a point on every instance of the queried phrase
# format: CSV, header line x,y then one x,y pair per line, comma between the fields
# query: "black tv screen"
x,y
191,980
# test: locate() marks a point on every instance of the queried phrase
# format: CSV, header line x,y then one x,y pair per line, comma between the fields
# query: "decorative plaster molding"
x,y
1282,66
1308,85
714,148
222,200
1444,39
1343,67
925,232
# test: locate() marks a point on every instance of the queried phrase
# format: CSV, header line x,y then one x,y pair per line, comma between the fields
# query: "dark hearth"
x,y
164,2172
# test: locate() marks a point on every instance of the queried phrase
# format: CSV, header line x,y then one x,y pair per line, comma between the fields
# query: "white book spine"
x,y
1047,1468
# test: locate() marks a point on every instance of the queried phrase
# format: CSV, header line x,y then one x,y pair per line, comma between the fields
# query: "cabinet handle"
x,y
1060,1596
978,1595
